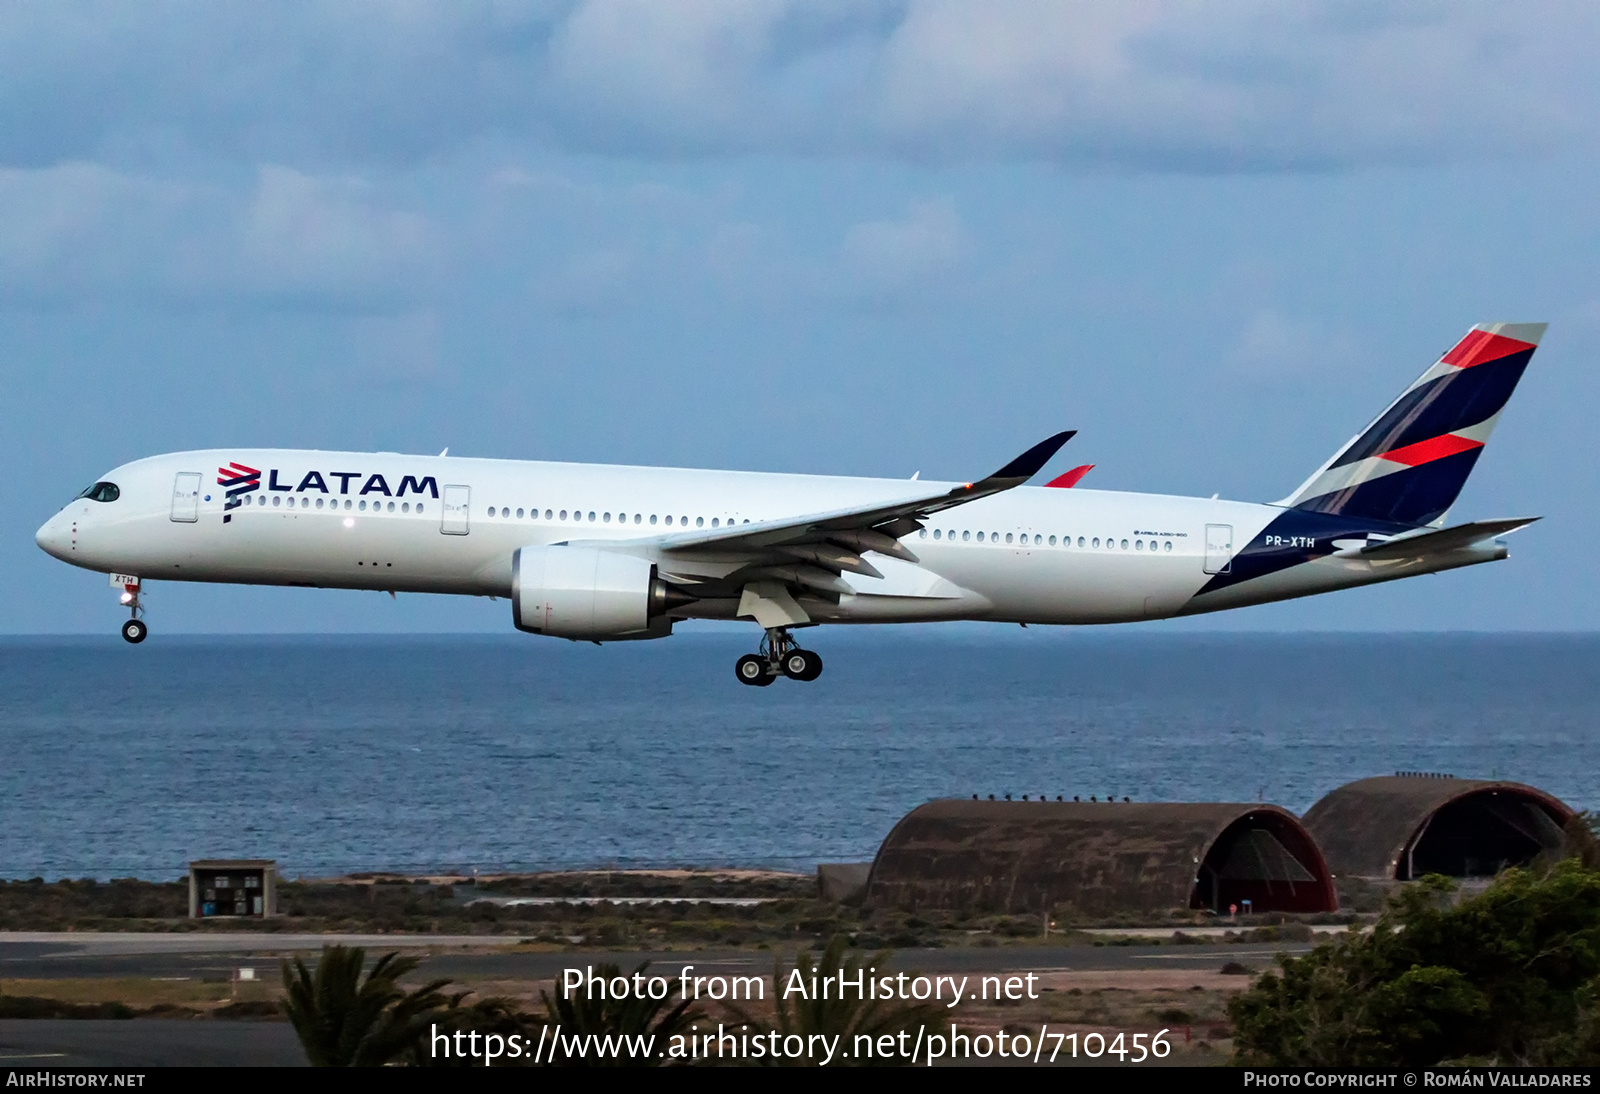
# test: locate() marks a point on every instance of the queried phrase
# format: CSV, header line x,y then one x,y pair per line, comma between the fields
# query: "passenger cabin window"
x,y
100,491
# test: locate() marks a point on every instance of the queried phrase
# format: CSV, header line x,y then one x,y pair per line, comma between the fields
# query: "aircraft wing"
x,y
887,521
774,560
1417,544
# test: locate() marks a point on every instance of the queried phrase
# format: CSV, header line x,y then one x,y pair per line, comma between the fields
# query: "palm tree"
x,y
628,1017
344,1020
841,1017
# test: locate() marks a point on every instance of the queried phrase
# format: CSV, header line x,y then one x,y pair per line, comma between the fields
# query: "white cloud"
x,y
890,256
1195,86
80,231
1273,347
71,229
302,235
1186,85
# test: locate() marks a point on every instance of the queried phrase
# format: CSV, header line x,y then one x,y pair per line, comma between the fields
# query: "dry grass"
x,y
143,993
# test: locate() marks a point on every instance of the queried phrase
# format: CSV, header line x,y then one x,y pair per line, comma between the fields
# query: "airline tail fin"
x,y
1409,465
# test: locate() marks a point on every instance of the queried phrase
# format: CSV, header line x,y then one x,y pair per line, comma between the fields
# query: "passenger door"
x,y
457,504
186,497
1219,548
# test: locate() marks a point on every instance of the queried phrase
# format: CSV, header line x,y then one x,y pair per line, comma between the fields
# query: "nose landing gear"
x,y
778,656
134,630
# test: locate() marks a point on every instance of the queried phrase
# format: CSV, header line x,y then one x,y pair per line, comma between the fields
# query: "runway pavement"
x,y
52,1042
465,959
71,955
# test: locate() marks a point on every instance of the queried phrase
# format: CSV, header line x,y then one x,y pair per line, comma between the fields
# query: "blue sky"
x,y
844,238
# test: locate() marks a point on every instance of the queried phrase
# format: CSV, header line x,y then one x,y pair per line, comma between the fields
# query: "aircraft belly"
x,y
1025,586
319,549
1090,588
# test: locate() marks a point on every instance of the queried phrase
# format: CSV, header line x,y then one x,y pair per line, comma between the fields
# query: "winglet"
x,y
1071,478
1025,466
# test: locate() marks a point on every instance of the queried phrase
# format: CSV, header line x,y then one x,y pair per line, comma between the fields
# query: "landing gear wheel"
x,y
801,664
751,670
813,667
134,631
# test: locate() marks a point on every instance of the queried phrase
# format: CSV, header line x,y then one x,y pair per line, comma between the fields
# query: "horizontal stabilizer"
x,y
1415,545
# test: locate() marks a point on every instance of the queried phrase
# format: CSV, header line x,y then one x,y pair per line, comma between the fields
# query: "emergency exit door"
x,y
186,497
457,505
1219,548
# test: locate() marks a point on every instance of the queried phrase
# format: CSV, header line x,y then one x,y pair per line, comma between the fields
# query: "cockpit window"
x,y
101,491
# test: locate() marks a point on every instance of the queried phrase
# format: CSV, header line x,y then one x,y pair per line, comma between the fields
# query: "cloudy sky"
x,y
860,237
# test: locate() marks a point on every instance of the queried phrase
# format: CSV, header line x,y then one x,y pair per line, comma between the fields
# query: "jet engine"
x,y
584,592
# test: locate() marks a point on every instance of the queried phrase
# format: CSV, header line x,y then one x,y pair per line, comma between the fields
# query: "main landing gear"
x,y
133,630
778,656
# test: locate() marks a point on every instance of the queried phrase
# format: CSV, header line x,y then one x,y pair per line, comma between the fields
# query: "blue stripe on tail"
x,y
1417,495
1441,406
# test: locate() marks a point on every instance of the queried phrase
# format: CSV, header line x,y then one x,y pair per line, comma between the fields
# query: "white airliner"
x,y
605,553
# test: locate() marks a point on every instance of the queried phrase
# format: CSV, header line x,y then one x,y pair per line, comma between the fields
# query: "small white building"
x,y
233,888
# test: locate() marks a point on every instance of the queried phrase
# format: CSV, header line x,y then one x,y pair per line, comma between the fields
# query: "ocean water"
x,y
341,754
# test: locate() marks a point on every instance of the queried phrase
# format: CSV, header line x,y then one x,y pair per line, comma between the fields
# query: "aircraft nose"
x,y
53,537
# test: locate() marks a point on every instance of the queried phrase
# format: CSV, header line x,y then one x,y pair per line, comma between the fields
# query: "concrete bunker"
x,y
1399,827
1099,858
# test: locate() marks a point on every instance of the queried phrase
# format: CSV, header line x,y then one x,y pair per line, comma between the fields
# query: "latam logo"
x,y
238,480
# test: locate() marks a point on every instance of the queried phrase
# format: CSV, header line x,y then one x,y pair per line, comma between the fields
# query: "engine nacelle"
x,y
583,592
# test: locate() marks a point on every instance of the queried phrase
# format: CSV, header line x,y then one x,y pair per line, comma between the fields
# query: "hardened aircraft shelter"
x,y
1099,858
1402,826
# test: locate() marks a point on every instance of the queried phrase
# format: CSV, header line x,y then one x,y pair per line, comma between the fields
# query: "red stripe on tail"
x,y
1480,346
1428,451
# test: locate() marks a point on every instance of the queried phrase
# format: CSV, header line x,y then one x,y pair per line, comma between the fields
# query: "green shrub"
x,y
1511,976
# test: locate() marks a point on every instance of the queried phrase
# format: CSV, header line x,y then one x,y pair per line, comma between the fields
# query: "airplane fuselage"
x,y
424,524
